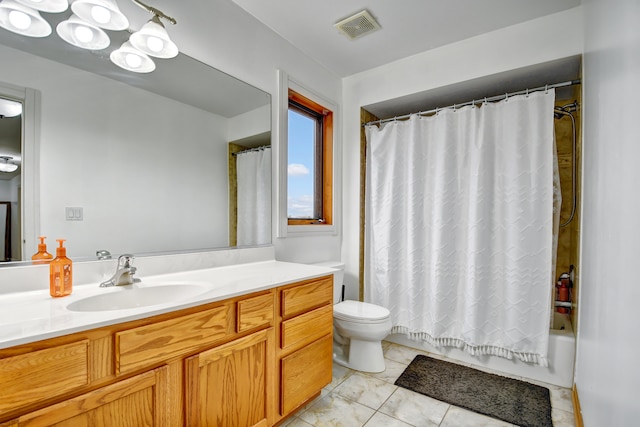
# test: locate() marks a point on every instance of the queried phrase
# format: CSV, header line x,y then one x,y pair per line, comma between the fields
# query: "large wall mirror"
x,y
140,163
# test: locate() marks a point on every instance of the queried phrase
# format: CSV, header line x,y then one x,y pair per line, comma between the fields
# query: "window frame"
x,y
323,158
306,228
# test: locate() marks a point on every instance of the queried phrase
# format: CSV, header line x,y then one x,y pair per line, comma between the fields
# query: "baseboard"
x,y
577,412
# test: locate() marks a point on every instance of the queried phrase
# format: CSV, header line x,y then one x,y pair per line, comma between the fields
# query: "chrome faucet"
x,y
103,254
124,273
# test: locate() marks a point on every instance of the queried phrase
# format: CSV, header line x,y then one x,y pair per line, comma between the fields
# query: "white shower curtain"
x,y
254,197
459,226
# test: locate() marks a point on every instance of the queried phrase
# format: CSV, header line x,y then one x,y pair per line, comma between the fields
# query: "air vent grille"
x,y
358,25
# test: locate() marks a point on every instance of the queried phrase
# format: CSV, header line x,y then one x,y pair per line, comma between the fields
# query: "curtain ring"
x,y
527,94
485,100
506,97
546,88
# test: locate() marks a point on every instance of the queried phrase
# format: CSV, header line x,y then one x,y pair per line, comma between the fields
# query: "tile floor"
x,y
356,399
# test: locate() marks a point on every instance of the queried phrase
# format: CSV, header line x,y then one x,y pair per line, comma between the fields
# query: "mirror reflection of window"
x,y
10,182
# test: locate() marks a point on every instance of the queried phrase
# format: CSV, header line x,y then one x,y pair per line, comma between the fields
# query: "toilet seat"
x,y
360,312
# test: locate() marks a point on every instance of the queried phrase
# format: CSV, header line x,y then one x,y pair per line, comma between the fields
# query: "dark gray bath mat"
x,y
513,401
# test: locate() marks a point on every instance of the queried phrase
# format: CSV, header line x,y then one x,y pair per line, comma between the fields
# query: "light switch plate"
x,y
73,213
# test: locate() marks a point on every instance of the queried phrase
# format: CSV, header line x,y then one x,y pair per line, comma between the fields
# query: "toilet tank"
x,y
338,277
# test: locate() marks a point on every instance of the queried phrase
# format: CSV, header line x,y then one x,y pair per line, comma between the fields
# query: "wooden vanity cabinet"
x,y
305,344
246,361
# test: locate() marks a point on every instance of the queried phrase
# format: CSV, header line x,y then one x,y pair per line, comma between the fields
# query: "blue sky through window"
x,y
300,170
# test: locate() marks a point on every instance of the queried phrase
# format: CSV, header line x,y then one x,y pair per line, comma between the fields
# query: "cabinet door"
x,y
304,373
137,401
229,385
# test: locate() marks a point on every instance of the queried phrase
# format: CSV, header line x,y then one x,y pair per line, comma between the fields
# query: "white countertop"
x,y
34,315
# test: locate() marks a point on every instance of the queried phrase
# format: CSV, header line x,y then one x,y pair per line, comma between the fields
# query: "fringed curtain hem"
x,y
536,359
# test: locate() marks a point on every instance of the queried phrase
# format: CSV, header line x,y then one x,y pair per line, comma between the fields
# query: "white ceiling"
x,y
408,26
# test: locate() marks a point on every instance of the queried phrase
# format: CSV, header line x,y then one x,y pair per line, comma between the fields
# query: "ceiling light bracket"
x,y
156,12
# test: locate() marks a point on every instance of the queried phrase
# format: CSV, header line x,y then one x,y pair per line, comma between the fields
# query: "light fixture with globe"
x,y
86,26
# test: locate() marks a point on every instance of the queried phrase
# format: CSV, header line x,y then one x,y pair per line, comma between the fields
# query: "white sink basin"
x,y
133,297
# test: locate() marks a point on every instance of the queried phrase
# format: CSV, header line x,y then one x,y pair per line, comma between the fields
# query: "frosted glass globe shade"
x,y
100,14
20,19
131,59
49,6
155,44
23,20
154,40
84,34
80,33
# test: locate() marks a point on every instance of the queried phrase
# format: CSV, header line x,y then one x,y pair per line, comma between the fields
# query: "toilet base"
x,y
365,356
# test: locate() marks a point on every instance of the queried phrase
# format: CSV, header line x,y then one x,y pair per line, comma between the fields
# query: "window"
x,y
310,162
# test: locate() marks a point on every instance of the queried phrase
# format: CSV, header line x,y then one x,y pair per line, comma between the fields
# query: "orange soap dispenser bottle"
x,y
42,256
60,274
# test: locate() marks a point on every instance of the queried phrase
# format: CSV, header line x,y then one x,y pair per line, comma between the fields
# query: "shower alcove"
x,y
569,157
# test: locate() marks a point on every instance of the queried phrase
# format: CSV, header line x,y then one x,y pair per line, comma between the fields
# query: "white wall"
x,y
6,191
251,123
131,159
607,373
546,39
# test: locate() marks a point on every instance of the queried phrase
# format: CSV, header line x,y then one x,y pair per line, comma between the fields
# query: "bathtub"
x,y
562,347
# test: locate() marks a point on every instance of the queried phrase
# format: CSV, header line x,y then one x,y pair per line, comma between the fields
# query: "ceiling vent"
x,y
358,25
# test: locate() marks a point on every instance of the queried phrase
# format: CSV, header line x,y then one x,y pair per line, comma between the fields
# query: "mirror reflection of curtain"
x,y
254,197
5,231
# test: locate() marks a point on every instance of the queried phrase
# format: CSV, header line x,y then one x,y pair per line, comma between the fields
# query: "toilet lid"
x,y
359,311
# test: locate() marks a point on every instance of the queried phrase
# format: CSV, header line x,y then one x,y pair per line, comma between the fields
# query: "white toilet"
x,y
358,329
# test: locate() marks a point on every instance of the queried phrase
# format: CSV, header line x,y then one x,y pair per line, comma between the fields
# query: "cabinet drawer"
x,y
131,402
255,312
301,298
29,378
306,328
304,373
158,342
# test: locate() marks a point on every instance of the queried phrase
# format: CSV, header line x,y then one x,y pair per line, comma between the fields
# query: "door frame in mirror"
x,y
29,174
30,209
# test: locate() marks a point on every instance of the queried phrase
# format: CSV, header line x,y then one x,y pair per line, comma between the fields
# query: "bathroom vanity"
x,y
249,350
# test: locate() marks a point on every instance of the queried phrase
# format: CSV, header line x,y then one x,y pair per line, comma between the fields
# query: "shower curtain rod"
x,y
248,150
478,101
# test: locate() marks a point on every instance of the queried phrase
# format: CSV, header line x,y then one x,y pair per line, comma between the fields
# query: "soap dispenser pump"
x,y
42,256
60,273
